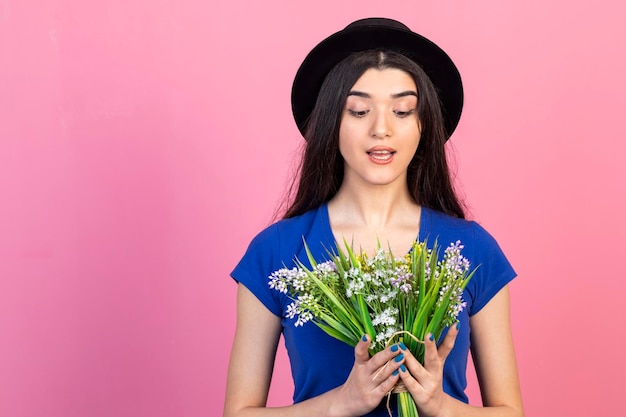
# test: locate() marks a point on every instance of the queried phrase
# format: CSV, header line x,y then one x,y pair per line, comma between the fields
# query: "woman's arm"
x,y
252,361
252,355
494,357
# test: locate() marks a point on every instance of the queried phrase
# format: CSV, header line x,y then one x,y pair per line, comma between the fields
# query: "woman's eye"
x,y
404,113
358,113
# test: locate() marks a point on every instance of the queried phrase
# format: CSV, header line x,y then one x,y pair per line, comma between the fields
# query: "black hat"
x,y
374,34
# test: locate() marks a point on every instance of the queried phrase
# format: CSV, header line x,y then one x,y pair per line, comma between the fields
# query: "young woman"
x,y
376,103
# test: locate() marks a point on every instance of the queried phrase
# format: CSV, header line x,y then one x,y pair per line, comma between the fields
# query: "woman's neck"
x,y
374,207
378,215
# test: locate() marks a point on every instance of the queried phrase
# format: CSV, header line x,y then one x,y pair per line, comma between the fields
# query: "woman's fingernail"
x,y
458,325
402,346
431,337
395,372
364,338
394,348
399,357
403,368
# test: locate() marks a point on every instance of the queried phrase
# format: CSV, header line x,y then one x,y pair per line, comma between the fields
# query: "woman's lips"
x,y
381,156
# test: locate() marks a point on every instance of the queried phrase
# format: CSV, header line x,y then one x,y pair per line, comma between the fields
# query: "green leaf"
x,y
309,255
365,317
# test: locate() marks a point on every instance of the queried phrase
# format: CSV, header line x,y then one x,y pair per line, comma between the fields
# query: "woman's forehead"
x,y
387,83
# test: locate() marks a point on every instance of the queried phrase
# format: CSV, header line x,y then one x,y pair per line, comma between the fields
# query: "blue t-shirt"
x,y
319,362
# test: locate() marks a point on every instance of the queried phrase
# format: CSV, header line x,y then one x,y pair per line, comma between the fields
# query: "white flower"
x,y
292,310
388,317
382,337
389,295
303,318
354,287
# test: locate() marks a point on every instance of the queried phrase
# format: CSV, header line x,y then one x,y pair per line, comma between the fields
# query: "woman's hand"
x,y
370,380
424,382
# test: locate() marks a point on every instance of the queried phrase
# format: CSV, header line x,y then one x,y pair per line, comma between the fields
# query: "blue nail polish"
x,y
431,337
399,357
394,348
458,325
364,338
402,346
403,368
395,372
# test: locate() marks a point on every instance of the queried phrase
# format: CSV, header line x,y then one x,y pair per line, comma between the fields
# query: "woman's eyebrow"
x,y
359,94
404,94
396,95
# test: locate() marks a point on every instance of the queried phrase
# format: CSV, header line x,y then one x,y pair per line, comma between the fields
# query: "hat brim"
x,y
328,53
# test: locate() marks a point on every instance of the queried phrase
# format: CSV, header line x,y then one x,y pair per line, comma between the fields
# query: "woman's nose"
x,y
381,127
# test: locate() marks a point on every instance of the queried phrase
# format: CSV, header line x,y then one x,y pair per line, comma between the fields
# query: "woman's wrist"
x,y
441,407
336,404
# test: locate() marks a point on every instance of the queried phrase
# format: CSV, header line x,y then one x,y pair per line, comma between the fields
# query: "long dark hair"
x,y
322,167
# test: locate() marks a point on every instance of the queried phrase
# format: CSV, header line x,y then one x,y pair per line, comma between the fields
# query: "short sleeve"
x,y
257,264
494,270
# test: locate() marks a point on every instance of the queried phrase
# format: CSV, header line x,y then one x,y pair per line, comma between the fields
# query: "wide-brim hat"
x,y
377,34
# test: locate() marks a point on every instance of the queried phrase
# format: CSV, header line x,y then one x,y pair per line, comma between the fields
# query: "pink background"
x,y
144,143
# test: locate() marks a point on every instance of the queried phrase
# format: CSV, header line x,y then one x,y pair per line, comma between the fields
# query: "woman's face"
x,y
380,130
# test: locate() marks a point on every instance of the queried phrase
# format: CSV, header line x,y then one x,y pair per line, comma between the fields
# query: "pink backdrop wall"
x,y
143,144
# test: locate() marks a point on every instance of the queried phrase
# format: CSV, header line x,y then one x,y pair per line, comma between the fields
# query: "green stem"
x,y
406,405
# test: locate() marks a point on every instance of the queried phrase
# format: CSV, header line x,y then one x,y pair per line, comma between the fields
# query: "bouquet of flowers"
x,y
391,299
